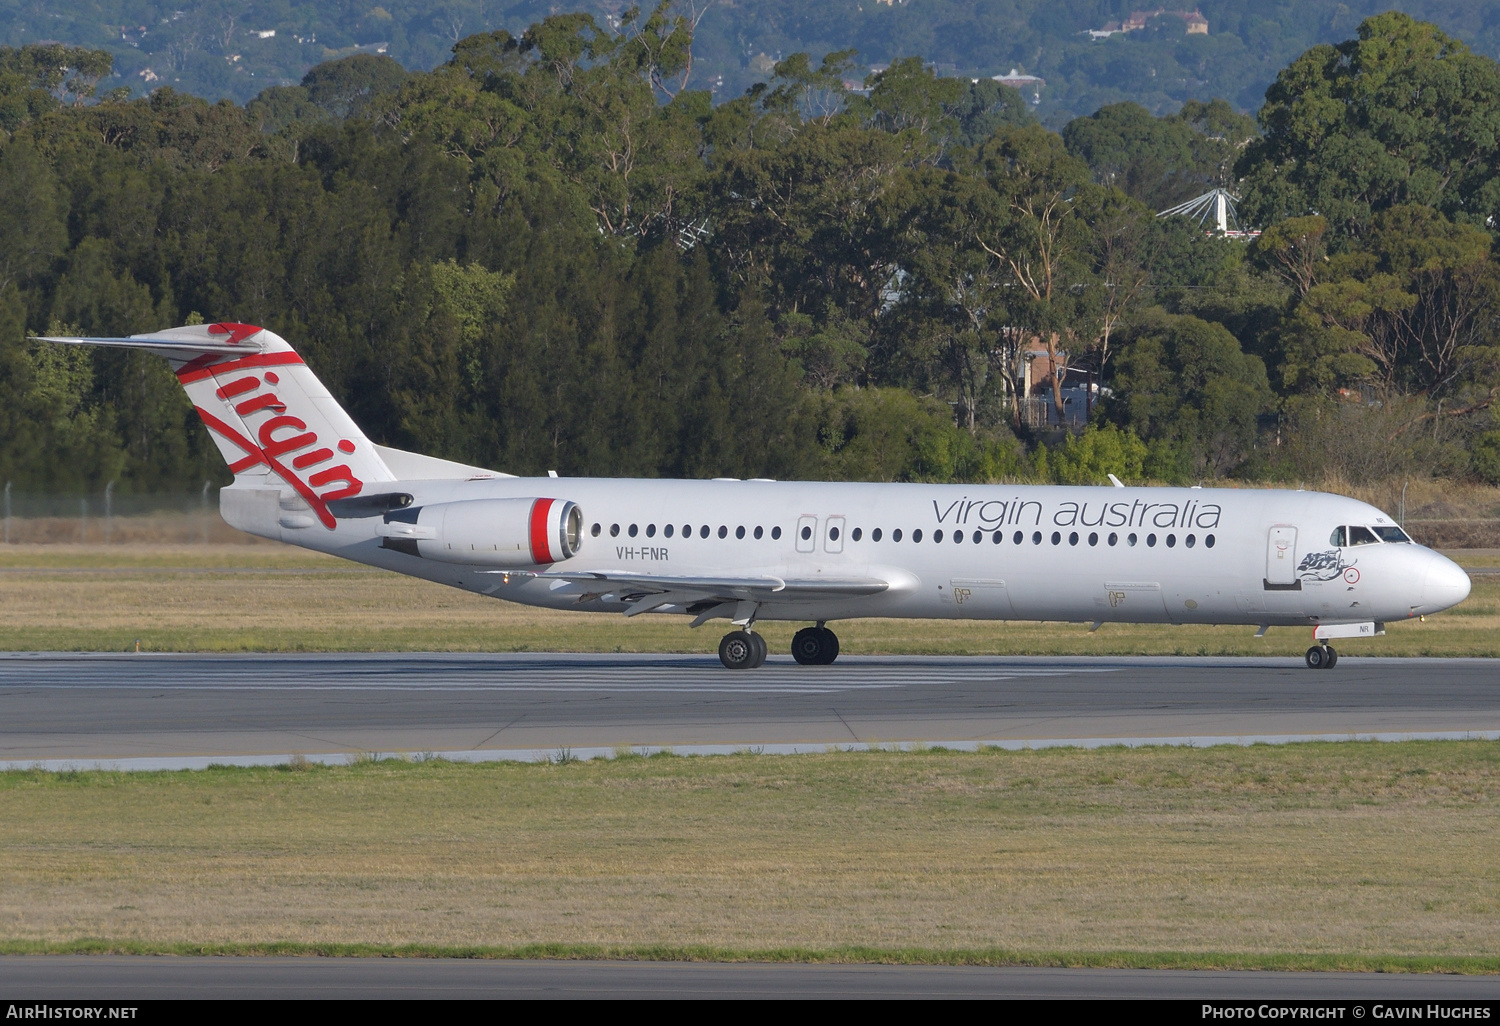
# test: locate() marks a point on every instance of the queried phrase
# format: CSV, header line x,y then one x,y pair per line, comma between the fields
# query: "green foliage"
x,y
39,72
346,88
1412,308
53,434
1089,458
888,434
1403,114
909,97
1160,161
1485,456
1186,382
1350,438
985,108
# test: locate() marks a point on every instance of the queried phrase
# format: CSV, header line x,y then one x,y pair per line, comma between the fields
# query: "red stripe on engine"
x,y
194,371
541,549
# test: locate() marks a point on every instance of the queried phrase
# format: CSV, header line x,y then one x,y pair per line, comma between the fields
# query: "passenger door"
x,y
1281,558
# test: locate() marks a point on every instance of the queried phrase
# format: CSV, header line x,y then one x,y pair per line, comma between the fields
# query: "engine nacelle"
x,y
488,532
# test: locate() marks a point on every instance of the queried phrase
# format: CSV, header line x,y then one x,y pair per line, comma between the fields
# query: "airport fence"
x,y
1465,533
106,518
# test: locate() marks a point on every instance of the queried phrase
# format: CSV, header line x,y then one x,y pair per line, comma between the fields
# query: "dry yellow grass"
x,y
278,598
1350,848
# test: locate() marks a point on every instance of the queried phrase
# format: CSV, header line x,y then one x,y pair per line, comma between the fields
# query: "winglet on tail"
x,y
275,423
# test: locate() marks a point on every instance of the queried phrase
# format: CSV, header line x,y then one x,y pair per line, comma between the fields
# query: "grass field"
x,y
275,598
1359,855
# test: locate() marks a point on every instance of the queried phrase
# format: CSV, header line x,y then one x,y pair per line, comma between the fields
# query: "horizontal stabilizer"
x,y
162,346
181,345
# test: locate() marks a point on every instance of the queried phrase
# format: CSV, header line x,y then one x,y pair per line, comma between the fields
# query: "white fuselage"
x,y
984,552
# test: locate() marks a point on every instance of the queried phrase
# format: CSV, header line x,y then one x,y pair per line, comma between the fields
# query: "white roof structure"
x,y
1216,205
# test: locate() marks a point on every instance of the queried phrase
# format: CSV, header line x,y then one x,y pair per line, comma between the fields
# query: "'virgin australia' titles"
x,y
1017,512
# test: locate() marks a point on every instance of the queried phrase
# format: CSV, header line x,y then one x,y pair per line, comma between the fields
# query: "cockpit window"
x,y
1339,538
1362,536
1391,534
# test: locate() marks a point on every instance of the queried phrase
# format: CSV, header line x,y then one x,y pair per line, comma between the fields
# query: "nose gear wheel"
x,y
1321,657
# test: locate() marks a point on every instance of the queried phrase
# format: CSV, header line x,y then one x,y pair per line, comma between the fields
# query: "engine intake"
x,y
487,532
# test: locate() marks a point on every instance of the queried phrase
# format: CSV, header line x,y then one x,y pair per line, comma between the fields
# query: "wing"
x,y
646,592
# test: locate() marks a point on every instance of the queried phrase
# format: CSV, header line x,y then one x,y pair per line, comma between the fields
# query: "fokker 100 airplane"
x,y
748,551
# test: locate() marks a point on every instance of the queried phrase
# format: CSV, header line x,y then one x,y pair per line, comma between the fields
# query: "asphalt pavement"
x,y
233,707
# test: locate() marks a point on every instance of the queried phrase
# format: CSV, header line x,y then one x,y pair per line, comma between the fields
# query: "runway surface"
x,y
91,707
142,978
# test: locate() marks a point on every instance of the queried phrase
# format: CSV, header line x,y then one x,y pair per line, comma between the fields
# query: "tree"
x,y
1414,309
348,87
1160,161
985,108
1186,382
32,233
1402,114
1038,233
908,97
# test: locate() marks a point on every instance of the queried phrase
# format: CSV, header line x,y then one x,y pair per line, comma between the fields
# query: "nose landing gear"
x,y
742,650
1321,657
815,646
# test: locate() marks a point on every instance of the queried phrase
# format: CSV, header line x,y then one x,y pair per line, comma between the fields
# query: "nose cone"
x,y
1447,585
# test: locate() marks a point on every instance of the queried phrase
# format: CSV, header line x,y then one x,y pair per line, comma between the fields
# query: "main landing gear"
x,y
811,646
1321,657
815,646
742,650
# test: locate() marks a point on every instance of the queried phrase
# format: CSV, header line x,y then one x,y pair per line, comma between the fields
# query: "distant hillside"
x,y
236,48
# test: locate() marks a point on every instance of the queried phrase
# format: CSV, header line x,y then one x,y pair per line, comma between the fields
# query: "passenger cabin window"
x,y
1391,534
1362,536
